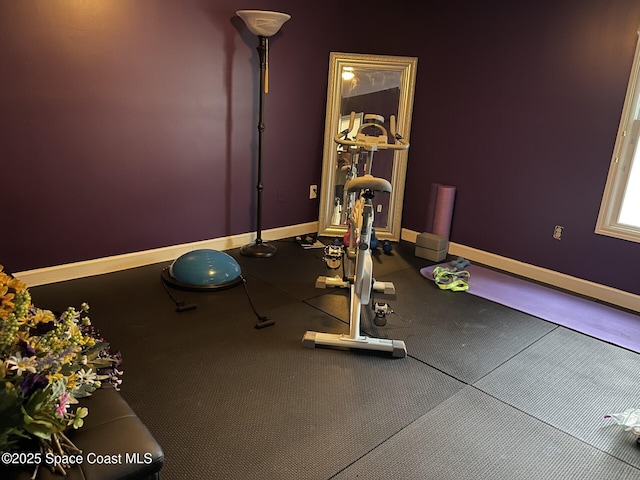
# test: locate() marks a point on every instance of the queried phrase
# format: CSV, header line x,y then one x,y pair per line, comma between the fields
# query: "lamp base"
x,y
259,249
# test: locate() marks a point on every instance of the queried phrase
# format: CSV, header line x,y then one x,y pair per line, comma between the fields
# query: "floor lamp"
x,y
264,24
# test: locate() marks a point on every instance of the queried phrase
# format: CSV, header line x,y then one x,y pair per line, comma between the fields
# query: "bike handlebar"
x,y
374,142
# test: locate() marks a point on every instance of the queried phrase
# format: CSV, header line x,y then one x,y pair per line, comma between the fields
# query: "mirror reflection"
x,y
365,84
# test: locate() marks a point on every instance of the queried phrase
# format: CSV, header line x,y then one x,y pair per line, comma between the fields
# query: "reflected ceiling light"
x,y
347,73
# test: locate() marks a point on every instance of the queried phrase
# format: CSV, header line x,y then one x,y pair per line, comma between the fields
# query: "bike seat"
x,y
368,182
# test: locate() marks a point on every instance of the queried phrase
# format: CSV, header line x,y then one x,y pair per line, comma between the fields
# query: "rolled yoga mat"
x,y
443,210
431,207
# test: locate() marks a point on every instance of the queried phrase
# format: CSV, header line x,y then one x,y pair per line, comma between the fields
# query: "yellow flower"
x,y
22,335
7,298
54,377
10,288
67,359
10,281
41,316
75,330
72,381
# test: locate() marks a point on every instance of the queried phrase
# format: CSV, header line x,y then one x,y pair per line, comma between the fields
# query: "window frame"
x,y
627,141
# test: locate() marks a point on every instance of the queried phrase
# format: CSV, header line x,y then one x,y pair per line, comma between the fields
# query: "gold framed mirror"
x,y
366,84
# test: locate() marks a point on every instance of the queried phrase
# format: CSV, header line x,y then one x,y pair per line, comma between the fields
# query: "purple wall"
x,y
132,125
127,126
517,105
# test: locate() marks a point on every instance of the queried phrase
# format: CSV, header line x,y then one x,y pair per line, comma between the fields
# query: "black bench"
x,y
115,445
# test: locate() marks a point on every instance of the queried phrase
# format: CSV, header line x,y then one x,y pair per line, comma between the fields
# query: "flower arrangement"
x,y
46,364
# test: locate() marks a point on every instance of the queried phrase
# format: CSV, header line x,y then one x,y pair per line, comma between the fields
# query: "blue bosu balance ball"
x,y
203,270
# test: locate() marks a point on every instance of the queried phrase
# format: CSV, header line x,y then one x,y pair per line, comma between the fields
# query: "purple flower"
x,y
118,359
31,383
91,331
26,349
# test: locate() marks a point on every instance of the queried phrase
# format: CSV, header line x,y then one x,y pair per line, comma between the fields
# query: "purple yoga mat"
x,y
445,198
586,316
431,207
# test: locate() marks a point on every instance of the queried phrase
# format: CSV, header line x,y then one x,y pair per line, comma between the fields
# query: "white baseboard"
x,y
70,271
593,290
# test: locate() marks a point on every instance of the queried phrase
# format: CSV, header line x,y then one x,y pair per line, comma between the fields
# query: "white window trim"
x,y
623,151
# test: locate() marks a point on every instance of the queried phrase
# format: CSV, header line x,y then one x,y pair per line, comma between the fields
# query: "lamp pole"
x,y
263,24
259,248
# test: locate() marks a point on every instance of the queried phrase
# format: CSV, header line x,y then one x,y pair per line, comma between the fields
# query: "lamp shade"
x,y
263,23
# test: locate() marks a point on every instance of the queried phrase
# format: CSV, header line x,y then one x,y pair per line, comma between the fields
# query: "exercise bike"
x,y
362,191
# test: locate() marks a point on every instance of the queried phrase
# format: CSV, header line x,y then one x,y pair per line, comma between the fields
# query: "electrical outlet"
x,y
379,208
558,231
313,191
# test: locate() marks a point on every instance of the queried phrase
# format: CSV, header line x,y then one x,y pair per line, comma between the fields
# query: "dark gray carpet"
x,y
464,337
293,269
570,381
260,406
475,436
228,401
